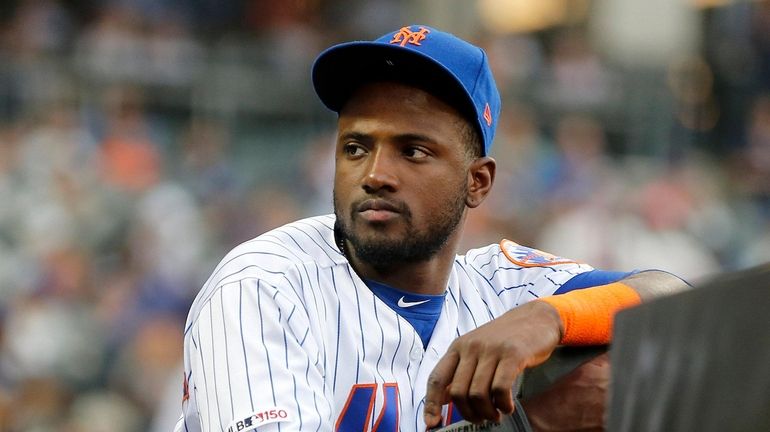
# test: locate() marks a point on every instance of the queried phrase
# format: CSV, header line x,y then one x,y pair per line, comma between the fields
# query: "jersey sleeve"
x,y
518,274
252,364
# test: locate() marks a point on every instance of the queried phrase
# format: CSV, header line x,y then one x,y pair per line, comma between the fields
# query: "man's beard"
x,y
410,246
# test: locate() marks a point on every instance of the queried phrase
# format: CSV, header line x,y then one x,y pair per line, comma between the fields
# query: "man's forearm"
x,y
586,315
652,284
577,400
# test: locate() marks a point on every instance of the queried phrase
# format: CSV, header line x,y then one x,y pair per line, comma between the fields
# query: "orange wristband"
x,y
587,314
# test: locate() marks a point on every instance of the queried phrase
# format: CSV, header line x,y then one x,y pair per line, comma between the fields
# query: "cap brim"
x,y
341,69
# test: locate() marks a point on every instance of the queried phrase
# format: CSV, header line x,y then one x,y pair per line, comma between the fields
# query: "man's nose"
x,y
380,173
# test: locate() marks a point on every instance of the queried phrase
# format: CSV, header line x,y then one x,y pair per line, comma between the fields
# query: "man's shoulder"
x,y
511,253
274,260
510,256
516,273
305,241
477,255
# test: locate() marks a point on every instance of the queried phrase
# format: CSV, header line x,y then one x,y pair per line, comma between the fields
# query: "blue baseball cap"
x,y
438,62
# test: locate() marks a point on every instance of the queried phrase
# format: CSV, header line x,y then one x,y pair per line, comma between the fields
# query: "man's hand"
x,y
576,402
479,369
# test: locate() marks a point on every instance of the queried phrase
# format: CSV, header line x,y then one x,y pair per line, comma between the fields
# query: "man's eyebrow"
x,y
412,137
355,136
401,138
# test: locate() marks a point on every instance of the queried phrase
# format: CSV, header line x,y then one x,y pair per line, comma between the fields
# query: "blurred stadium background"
x,y
142,139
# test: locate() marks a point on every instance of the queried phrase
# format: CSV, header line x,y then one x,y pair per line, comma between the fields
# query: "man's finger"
x,y
459,387
501,387
479,395
436,394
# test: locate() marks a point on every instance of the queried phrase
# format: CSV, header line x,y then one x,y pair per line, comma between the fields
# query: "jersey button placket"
x,y
416,354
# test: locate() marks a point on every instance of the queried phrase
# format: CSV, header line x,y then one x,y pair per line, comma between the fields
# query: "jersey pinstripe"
x,y
285,336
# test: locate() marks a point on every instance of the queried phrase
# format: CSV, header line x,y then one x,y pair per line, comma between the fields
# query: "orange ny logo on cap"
x,y
405,36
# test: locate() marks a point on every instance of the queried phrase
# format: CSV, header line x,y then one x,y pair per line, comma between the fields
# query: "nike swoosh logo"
x,y
405,304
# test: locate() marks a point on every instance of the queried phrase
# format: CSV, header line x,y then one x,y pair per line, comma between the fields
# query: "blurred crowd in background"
x,y
142,139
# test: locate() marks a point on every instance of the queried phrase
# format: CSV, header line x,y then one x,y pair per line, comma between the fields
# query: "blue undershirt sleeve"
x,y
592,278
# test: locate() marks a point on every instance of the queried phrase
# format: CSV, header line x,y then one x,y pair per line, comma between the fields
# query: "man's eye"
x,y
415,153
354,149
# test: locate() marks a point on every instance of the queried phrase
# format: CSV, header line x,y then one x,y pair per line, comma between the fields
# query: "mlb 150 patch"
x,y
259,418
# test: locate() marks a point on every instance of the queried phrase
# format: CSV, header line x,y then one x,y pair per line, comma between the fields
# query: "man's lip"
x,y
377,204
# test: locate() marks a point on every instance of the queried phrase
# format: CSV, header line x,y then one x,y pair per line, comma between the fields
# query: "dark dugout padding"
x,y
695,361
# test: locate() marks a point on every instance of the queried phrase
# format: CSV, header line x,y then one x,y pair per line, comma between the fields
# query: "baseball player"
x,y
368,319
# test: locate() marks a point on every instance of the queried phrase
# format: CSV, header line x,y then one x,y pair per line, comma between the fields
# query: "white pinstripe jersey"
x,y
285,336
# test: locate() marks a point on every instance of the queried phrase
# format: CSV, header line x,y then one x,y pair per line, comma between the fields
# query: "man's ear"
x,y
481,175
